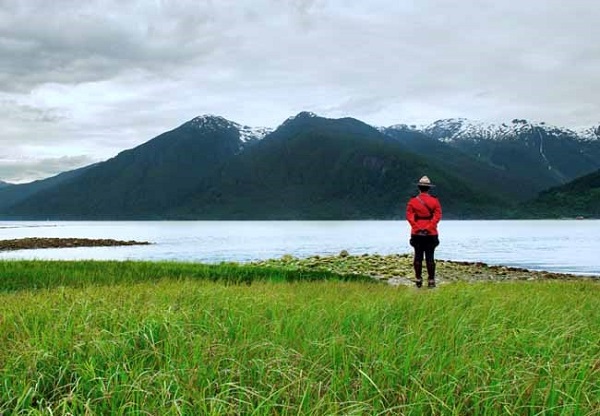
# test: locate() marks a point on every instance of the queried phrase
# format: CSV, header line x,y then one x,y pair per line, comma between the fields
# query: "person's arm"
x,y
410,215
437,212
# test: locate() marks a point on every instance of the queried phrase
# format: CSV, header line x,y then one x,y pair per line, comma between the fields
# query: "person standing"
x,y
424,212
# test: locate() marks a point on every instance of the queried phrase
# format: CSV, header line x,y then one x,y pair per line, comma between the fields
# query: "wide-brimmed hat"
x,y
424,181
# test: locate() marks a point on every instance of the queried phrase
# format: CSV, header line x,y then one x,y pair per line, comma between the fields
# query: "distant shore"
x,y
37,243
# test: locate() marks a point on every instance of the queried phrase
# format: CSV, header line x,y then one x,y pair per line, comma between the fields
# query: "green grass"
x,y
23,275
169,338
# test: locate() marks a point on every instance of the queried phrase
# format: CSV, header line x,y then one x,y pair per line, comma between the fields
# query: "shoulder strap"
x,y
424,204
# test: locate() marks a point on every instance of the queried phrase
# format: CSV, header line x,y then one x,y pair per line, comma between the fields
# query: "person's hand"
x,y
422,232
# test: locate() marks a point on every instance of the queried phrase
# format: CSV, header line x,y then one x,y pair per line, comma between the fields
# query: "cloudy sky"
x,y
82,80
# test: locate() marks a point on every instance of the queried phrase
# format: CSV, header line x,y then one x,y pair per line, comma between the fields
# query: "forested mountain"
x,y
579,198
13,194
317,168
521,158
482,175
310,167
146,181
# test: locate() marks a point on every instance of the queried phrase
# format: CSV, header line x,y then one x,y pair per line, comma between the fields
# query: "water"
x,y
566,246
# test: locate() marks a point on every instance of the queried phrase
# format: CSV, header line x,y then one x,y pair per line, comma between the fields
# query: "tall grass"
x,y
174,343
20,275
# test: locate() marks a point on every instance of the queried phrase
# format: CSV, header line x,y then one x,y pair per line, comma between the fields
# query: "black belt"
x,y
423,218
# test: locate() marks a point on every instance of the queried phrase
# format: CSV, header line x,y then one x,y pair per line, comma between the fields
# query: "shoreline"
x,y
397,269
393,269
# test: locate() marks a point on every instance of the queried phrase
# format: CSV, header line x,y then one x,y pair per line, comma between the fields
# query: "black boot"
x,y
418,266
430,273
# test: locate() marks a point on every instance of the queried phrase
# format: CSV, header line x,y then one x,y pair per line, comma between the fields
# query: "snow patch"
x,y
213,122
450,130
590,133
253,133
303,114
403,127
210,121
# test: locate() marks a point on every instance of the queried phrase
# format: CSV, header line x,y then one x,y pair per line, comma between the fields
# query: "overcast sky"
x,y
81,81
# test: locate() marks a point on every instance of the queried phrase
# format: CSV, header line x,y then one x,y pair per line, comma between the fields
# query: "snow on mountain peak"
x,y
301,115
402,126
307,114
446,130
213,122
210,120
253,133
590,133
462,129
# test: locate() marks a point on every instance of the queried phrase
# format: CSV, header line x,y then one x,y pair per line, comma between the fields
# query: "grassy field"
x,y
169,338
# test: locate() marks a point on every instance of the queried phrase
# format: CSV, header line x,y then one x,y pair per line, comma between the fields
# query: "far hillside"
x,y
515,160
483,176
579,198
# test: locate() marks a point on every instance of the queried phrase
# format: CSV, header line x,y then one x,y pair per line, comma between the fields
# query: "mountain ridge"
x,y
310,167
489,130
319,168
539,155
463,128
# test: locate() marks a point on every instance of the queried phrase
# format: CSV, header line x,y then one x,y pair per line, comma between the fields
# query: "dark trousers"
x,y
424,245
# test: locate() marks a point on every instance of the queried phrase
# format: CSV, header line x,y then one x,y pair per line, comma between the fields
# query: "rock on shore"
x,y
397,269
34,243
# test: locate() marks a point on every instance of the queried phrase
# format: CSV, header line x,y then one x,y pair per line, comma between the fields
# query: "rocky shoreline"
x,y
396,269
37,243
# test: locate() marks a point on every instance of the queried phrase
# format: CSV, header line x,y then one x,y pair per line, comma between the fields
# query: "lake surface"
x,y
566,246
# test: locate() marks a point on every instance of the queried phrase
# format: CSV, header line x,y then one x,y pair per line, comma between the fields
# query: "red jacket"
x,y
424,215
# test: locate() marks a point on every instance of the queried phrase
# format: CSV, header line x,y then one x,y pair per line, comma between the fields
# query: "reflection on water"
x,y
567,246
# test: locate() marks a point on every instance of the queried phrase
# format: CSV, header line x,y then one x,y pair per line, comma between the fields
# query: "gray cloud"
x,y
73,42
100,76
22,170
28,113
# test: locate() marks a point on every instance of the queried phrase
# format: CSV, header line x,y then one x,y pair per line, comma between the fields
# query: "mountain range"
x,y
525,157
312,167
